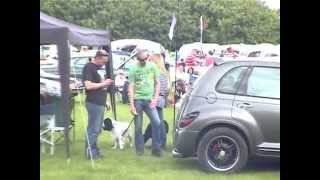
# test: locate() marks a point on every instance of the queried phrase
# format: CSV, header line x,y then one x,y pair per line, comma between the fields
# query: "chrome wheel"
x,y
223,153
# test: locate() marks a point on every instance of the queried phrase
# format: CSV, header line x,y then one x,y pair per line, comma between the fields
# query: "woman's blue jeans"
x,y
163,132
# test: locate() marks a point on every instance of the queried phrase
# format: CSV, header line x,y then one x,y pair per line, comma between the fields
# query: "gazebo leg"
x,y
52,142
74,133
43,150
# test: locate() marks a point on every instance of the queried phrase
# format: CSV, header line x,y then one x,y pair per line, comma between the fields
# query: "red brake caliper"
x,y
215,148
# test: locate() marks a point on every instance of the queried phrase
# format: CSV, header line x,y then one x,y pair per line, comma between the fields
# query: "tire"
x,y
231,143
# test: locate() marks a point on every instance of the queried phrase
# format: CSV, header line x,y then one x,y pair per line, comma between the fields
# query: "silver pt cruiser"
x,y
230,114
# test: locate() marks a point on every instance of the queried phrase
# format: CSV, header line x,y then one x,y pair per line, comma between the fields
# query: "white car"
x,y
50,84
50,87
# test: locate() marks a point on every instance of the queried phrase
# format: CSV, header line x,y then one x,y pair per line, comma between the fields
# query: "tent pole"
x,y
110,74
175,43
64,70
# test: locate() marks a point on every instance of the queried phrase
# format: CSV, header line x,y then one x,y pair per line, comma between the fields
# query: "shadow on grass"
x,y
262,164
254,165
187,164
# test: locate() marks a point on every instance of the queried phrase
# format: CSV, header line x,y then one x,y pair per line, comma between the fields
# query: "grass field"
x,y
118,165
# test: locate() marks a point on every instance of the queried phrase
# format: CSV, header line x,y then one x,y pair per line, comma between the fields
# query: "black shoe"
x,y
157,152
164,146
139,153
100,156
97,156
100,153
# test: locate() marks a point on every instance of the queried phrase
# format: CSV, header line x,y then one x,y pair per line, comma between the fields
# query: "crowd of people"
x,y
191,68
147,90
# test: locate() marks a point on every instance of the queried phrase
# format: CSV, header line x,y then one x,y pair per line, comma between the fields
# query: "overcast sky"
x,y
274,4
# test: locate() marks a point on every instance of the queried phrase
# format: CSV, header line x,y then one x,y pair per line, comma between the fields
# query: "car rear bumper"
x,y
185,143
176,154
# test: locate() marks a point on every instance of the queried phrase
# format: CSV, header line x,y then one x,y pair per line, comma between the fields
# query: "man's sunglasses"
x,y
101,54
144,59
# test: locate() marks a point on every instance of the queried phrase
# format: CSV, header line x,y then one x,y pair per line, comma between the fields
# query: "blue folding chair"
x,y
51,123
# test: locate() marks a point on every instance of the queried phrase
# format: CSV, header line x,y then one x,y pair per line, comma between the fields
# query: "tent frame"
x,y
60,35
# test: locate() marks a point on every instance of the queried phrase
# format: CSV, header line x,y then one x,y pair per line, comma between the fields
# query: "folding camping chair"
x,y
46,117
50,124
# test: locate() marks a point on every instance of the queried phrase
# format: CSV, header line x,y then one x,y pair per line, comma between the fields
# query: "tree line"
x,y
227,21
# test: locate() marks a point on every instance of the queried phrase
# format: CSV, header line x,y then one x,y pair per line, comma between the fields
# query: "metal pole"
x,y
110,74
176,60
64,69
201,26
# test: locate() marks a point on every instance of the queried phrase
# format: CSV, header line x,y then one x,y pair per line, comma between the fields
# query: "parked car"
x,y
78,61
49,65
230,114
77,64
50,86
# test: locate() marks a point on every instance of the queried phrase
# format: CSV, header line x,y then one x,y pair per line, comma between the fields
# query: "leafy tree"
x,y
229,21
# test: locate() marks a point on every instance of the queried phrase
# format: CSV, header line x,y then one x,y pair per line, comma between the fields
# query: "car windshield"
x,y
118,59
81,61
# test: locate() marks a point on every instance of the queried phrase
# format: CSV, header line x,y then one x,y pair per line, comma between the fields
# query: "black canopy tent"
x,y
61,33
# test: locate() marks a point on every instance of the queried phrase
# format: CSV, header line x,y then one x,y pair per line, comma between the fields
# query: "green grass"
x,y
124,164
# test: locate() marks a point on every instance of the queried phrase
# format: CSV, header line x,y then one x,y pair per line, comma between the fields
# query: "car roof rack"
x,y
220,61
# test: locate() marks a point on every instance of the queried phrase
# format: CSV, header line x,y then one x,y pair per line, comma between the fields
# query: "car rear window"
x,y
231,80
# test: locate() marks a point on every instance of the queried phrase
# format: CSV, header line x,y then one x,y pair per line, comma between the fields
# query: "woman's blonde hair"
x,y
157,60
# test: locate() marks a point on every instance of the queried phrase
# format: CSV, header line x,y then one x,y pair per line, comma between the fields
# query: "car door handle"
x,y
245,105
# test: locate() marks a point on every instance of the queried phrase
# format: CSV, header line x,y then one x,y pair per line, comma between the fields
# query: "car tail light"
x,y
188,119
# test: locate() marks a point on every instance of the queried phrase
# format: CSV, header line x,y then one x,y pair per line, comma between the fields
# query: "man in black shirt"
x,y
96,94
